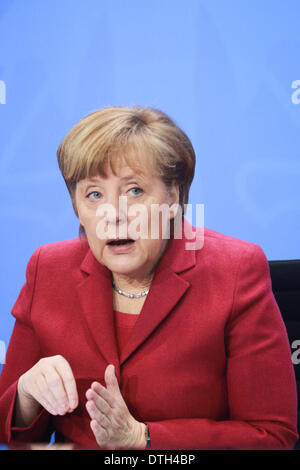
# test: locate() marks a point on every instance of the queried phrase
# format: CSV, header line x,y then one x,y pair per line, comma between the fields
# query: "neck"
x,y
132,285
137,282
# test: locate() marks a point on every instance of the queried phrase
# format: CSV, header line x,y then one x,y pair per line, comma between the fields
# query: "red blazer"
x,y
208,363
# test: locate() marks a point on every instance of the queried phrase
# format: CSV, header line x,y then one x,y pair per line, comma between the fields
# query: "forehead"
x,y
123,174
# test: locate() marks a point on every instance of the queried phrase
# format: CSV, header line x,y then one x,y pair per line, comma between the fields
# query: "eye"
x,y
96,195
136,189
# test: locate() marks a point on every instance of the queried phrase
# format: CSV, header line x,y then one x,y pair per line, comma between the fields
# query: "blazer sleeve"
x,y
261,386
22,353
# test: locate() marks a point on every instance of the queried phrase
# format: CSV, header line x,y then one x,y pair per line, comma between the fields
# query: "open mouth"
x,y
120,242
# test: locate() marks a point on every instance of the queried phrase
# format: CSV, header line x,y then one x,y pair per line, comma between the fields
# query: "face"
x,y
106,211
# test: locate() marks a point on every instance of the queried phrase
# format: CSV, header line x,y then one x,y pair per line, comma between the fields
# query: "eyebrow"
x,y
125,178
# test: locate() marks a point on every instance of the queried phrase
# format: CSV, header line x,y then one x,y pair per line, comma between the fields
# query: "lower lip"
x,y
120,249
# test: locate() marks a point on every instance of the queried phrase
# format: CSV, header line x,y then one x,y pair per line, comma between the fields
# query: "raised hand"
x,y
111,422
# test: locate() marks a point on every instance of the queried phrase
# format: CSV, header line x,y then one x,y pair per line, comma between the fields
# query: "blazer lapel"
x,y
166,290
95,295
167,287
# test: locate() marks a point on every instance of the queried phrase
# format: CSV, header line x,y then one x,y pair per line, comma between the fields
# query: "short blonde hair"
x,y
147,138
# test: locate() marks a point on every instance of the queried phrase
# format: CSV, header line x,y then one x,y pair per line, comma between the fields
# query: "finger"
x,y
100,433
100,403
44,396
96,414
55,384
69,383
111,380
114,415
104,393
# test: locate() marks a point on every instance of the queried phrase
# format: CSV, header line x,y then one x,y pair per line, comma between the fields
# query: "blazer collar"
x,y
167,288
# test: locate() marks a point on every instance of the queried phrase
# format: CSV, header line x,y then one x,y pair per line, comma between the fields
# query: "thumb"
x,y
111,380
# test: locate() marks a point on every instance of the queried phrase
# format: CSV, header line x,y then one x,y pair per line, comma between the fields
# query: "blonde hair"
x,y
147,138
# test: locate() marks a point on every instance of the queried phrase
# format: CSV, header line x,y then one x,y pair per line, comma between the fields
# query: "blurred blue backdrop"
x,y
225,71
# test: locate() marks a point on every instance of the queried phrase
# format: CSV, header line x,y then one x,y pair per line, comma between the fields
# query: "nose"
x,y
113,217
116,212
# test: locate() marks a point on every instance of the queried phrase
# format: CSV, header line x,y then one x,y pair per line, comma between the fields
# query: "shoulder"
x,y
64,247
228,252
62,254
233,267
217,242
216,239
49,269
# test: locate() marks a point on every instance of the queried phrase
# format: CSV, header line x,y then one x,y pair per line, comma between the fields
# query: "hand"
x,y
111,422
50,382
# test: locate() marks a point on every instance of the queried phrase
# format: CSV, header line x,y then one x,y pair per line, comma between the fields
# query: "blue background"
x,y
222,69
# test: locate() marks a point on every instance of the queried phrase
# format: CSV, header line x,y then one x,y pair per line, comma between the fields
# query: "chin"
x,y
123,267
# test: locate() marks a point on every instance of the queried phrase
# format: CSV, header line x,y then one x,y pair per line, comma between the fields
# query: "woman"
x,y
124,339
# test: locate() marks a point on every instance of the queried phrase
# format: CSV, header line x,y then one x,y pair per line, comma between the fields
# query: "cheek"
x,y
96,245
158,222
150,248
87,218
89,226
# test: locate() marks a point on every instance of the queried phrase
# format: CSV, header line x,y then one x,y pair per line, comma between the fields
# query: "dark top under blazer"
x,y
208,362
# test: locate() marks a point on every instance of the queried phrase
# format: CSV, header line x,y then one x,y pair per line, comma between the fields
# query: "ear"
x,y
173,194
173,200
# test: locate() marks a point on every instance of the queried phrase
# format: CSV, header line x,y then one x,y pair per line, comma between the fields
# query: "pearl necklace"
x,y
131,296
